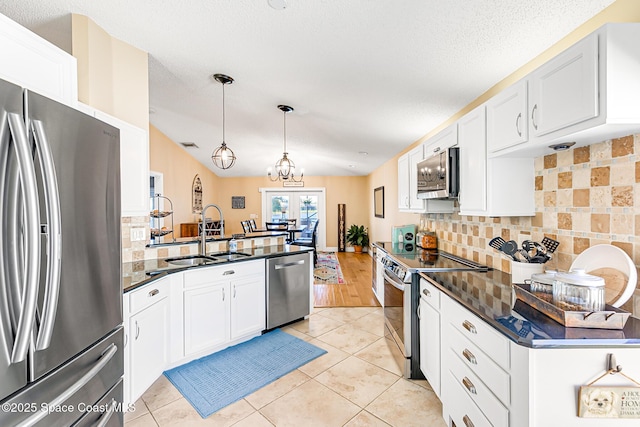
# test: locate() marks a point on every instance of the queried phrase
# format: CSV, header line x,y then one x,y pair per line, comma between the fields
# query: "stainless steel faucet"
x,y
203,238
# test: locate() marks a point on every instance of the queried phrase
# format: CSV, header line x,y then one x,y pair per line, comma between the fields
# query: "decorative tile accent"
x,y
581,155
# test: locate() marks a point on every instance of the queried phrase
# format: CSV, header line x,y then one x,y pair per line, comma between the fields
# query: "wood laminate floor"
x,y
356,292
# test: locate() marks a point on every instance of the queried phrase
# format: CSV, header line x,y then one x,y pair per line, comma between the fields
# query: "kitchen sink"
x,y
191,260
229,256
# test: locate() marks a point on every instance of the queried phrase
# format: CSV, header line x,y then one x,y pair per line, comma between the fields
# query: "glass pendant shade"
x,y
223,157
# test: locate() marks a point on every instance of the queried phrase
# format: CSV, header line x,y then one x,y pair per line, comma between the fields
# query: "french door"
x,y
305,205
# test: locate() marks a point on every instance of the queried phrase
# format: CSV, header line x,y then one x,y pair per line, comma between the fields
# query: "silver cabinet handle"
x,y
426,293
234,291
106,356
31,239
469,385
54,231
467,421
153,293
137,330
435,150
228,272
106,415
418,312
469,356
469,327
533,117
518,124
222,294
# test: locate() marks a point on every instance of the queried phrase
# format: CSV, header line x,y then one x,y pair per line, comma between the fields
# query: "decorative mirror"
x,y
378,202
196,196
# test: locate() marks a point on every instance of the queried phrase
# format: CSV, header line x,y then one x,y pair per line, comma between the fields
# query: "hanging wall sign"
x,y
609,401
237,202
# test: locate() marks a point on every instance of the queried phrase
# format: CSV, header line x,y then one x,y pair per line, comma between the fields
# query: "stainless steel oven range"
x,y
401,298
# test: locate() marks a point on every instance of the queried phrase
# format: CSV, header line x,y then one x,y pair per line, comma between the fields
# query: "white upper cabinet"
x,y
32,62
586,94
408,181
564,91
134,166
446,138
507,119
472,139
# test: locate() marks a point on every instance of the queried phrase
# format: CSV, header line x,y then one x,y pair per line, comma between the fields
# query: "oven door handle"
x,y
394,282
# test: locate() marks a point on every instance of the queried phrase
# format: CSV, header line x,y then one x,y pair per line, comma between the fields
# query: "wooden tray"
x,y
611,318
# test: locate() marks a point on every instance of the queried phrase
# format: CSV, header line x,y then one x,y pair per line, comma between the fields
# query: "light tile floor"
x,y
356,383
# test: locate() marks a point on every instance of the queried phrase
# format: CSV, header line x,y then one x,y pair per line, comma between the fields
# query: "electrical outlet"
x,y
253,216
137,234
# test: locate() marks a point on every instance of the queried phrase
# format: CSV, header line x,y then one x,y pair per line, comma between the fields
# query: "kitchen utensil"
x,y
550,244
510,248
497,243
522,255
538,253
614,266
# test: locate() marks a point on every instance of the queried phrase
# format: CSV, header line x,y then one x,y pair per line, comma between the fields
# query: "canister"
x,y
543,282
578,291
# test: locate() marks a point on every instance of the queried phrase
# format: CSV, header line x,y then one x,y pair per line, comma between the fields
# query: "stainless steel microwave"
x,y
439,175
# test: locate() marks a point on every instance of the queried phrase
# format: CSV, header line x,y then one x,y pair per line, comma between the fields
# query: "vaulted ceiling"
x,y
366,78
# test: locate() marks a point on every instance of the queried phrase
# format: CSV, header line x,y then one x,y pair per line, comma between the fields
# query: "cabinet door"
x,y
206,317
134,166
403,182
32,62
430,345
415,156
507,123
448,137
149,346
564,91
473,162
247,306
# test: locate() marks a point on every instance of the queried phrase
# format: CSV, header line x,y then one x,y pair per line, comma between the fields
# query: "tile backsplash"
x,y
584,197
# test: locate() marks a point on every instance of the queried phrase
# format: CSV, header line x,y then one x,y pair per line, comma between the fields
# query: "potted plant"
x,y
357,236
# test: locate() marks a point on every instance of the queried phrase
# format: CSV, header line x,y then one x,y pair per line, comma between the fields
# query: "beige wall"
x,y
112,75
179,169
620,11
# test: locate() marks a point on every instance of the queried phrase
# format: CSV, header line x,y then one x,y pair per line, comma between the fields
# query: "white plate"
x,y
609,256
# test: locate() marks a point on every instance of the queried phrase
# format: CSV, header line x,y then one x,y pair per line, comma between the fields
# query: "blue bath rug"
x,y
219,379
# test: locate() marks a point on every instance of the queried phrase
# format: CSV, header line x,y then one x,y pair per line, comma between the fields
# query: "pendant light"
x,y
285,167
223,157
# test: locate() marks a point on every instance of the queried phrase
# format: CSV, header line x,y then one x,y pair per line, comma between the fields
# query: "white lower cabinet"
x,y
429,314
206,317
147,336
222,304
186,315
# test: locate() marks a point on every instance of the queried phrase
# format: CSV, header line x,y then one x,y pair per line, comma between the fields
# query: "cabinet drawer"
x,y
484,336
474,388
481,365
463,410
147,295
430,294
204,276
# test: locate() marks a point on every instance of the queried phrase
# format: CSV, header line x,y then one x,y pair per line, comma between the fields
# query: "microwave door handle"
x,y
31,237
53,230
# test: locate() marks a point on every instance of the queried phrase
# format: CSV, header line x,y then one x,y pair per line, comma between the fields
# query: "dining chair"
x,y
310,242
246,226
252,223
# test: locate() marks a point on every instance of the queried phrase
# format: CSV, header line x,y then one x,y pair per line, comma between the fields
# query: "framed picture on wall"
x,y
237,202
378,202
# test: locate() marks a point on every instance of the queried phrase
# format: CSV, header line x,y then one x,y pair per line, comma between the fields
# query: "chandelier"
x,y
285,168
223,157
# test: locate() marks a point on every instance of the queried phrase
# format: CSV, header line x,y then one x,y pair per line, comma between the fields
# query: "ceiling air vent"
x,y
189,145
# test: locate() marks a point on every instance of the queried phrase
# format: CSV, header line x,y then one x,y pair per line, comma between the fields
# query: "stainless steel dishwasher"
x,y
288,289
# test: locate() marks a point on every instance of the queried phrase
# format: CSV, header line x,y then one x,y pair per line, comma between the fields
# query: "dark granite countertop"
x,y
196,240
139,273
490,296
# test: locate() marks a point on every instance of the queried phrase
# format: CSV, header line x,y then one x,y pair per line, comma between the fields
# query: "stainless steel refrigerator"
x,y
61,336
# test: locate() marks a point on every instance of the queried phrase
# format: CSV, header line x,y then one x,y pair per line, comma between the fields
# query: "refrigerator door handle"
x,y
31,235
106,416
104,359
54,240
